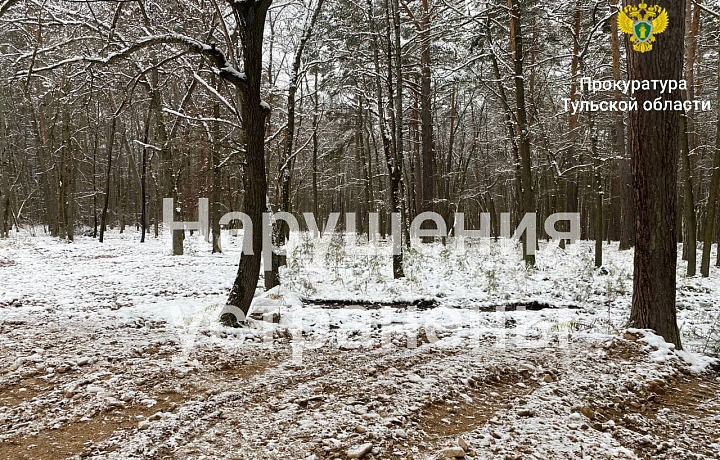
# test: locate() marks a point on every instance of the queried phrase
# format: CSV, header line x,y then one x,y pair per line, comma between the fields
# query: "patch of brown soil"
x,y
26,390
79,437
681,414
455,416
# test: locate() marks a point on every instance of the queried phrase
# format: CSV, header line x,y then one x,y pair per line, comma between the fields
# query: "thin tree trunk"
x,y
366,166
315,150
451,150
216,178
717,227
528,199
428,141
688,140
395,168
690,246
108,176
627,212
4,172
143,178
509,125
169,181
68,174
599,195
96,141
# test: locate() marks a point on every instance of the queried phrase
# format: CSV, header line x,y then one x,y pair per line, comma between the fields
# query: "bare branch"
x,y
226,71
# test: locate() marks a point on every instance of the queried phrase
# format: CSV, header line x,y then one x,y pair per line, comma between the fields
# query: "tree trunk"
x,y
4,172
366,167
216,180
655,160
427,139
528,199
599,195
143,179
254,113
169,181
315,171
688,139
385,135
717,218
571,183
68,174
711,209
690,246
108,177
509,125
627,212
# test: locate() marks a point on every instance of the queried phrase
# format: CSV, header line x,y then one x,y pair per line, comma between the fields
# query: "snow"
x,y
128,333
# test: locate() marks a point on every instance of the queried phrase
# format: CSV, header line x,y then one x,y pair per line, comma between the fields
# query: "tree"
x,y
655,140
711,210
688,143
251,16
523,130
627,226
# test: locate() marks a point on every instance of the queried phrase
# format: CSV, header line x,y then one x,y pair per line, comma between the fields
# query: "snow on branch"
x,y
4,6
226,70
706,9
201,119
215,93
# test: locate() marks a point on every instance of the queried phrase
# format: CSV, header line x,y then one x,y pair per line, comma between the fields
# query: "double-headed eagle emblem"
x,y
642,23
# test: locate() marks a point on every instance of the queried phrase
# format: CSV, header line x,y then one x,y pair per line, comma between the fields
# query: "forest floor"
x,y
114,351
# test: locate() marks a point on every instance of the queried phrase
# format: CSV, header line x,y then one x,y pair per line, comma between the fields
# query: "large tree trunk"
x,y
655,161
711,209
254,112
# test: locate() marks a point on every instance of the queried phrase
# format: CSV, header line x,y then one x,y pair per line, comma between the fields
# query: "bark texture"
x,y
655,152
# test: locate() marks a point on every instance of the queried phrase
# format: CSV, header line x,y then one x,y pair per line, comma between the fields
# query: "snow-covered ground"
x,y
114,351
